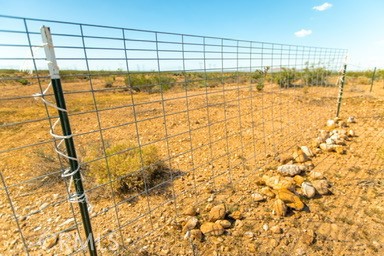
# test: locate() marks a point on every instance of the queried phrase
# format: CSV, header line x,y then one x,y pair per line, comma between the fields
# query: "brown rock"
x,y
190,210
196,235
210,228
279,208
298,180
308,237
339,149
308,189
217,213
224,223
299,156
267,192
314,175
190,224
237,215
290,199
49,242
258,197
321,186
276,230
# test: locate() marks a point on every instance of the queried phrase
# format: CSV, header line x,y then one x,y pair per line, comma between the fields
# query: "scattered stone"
x,y
314,175
43,206
208,207
257,197
299,156
279,208
237,215
267,192
308,190
351,119
49,242
210,228
308,237
307,151
327,147
249,234
285,158
298,180
278,182
290,169
217,213
190,224
321,186
196,234
339,149
276,230
190,211
224,223
290,199
211,198
323,135
265,227
342,124
351,133
331,123
330,141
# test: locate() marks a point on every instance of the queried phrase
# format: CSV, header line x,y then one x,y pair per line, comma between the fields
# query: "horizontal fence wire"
x,y
161,122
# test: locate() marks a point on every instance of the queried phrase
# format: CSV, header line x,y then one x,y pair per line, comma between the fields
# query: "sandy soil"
x,y
217,143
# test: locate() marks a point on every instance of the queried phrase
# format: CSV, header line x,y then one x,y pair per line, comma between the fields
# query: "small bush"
x,y
286,77
108,81
133,168
151,82
23,81
316,76
259,77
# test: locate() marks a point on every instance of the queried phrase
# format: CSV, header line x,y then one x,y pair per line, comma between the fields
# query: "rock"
x,y
339,149
265,227
190,211
224,223
208,207
249,234
326,147
237,215
299,156
308,190
49,242
342,124
210,228
308,237
331,123
323,135
298,180
314,175
351,133
330,141
317,141
217,213
321,186
190,224
258,197
279,208
351,119
43,206
290,199
307,151
267,192
211,198
290,169
196,234
276,230
277,182
285,158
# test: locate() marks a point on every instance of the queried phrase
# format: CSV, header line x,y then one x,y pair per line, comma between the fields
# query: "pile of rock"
x,y
218,219
335,136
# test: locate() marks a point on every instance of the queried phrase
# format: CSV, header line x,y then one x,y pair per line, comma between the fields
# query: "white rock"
x,y
351,119
249,234
308,190
258,197
307,151
43,206
291,169
330,141
351,133
265,227
330,123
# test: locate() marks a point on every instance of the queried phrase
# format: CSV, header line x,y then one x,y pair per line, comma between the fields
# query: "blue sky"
x,y
352,24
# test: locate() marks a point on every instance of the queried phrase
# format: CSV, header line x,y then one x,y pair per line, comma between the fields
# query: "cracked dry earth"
x,y
172,221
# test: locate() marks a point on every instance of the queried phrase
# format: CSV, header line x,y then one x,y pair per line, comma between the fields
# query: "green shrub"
x,y
151,82
259,77
316,76
108,81
23,81
286,77
131,167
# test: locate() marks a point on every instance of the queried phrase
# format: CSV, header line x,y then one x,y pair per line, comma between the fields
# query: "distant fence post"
x,y
74,171
341,89
373,79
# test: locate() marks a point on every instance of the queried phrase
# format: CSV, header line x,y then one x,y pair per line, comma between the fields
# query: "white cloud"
x,y
303,33
322,7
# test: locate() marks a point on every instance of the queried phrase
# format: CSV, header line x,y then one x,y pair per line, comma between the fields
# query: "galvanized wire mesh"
x,y
161,121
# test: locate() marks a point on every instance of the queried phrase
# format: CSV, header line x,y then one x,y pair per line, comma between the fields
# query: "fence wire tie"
x,y
78,198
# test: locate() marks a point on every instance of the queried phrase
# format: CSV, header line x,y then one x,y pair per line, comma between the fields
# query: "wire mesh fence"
x,y
162,123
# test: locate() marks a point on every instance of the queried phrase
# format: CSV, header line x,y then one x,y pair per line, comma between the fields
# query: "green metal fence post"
x,y
373,79
79,196
341,89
